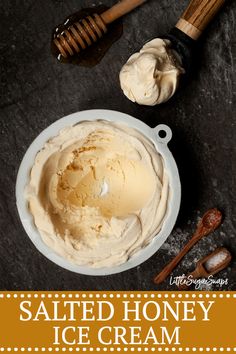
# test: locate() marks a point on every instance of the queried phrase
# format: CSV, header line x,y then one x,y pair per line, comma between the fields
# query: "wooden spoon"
x,y
209,265
209,222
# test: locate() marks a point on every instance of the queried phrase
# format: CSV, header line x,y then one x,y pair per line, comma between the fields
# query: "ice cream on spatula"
x,y
152,75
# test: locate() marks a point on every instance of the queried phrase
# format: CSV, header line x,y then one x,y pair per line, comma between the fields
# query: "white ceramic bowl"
x,y
170,165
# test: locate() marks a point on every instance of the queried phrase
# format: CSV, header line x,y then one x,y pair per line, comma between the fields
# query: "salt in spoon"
x,y
207,266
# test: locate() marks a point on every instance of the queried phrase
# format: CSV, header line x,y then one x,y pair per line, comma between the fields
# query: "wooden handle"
x,y
197,16
120,9
169,268
194,275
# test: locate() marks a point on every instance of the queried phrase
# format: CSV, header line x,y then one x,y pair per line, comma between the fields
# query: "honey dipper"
x,y
89,30
209,265
209,222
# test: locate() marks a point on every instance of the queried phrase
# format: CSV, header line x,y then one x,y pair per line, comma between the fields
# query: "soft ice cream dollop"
x,y
98,193
151,76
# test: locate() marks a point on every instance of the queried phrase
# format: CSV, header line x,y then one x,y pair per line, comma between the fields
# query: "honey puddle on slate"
x,y
92,55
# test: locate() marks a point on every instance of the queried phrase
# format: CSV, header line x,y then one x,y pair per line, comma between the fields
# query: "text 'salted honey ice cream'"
x,y
98,193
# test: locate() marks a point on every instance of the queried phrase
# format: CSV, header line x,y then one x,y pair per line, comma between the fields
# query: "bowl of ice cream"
x,y
98,192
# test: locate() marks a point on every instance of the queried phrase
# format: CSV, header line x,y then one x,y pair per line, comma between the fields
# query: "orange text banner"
x,y
118,321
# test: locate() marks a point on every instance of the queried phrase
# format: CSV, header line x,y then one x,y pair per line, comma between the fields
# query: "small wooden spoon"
x,y
209,265
209,222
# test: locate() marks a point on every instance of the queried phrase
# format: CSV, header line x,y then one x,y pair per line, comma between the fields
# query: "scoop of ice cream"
x,y
98,192
151,76
105,177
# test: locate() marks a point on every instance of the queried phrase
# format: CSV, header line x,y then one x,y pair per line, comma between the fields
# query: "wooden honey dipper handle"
x,y
83,33
120,9
197,16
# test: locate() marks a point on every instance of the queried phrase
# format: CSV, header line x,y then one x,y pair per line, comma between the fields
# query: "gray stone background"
x,y
36,90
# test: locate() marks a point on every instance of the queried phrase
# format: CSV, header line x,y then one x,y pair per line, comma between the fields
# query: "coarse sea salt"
x,y
215,260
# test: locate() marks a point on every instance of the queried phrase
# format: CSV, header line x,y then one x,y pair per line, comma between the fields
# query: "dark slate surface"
x,y
36,90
